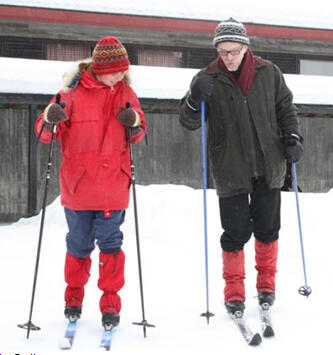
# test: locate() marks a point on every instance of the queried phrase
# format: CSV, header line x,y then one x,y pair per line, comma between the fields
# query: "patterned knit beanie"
x,y
109,56
231,31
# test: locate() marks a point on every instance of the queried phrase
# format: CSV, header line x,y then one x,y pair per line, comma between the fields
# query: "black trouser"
x,y
244,214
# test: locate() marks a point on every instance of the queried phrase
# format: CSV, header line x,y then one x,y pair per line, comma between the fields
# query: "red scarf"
x,y
245,78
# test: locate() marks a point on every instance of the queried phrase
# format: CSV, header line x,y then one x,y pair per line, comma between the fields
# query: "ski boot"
x,y
235,307
110,320
266,297
73,313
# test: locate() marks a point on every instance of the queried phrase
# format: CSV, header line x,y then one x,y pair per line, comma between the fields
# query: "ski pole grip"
x,y
58,97
54,127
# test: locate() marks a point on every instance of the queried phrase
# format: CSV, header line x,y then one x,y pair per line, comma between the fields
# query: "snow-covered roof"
x,y
297,13
32,76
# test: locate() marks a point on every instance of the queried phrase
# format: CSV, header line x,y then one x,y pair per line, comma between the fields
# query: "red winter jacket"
x,y
95,172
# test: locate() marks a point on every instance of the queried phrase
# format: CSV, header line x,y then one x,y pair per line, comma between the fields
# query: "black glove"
x,y
201,88
292,147
128,117
54,114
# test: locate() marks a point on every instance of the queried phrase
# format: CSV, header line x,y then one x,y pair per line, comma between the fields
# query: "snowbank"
x,y
30,76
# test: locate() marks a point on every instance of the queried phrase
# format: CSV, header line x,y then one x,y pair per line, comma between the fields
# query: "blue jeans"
x,y
88,227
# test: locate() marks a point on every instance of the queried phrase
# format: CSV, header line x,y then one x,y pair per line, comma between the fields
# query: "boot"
x,y
73,312
235,306
111,280
266,259
110,320
76,276
234,275
266,297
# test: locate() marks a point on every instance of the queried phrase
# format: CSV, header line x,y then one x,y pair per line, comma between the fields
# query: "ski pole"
x,y
144,322
206,314
303,290
29,325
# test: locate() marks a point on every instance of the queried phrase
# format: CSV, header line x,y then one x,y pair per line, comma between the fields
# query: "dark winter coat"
x,y
267,110
95,172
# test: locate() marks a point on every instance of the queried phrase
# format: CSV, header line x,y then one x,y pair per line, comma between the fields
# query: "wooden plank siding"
x,y
14,145
316,168
173,154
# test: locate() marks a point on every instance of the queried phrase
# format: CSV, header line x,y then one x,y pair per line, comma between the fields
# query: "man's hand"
x,y
201,88
292,147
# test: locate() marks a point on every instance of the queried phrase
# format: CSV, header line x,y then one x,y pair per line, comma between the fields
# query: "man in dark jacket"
x,y
252,130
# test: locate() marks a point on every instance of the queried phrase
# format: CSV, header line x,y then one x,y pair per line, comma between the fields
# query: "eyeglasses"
x,y
233,52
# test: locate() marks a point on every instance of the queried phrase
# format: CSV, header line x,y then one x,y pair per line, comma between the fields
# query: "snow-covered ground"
x,y
172,246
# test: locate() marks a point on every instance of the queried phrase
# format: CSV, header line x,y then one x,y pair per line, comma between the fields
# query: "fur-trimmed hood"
x,y
72,77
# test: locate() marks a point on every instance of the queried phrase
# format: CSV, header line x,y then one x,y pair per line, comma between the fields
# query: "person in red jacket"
x,y
96,110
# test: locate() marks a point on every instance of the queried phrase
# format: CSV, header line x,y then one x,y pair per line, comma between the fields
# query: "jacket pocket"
x,y
72,176
84,134
127,170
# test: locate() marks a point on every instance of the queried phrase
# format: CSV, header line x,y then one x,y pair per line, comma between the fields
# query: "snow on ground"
x,y
172,246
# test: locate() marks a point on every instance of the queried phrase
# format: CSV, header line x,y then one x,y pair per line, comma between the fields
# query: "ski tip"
x,y
256,340
268,332
65,344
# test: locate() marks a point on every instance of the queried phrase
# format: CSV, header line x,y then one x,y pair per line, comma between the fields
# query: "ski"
x,y
250,337
266,322
67,341
107,338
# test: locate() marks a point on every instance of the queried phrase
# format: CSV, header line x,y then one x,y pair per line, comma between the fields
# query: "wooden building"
x,y
174,154
60,34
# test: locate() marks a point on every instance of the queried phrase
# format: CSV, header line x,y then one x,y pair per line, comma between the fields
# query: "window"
x,y
287,62
199,57
67,52
316,67
21,47
159,57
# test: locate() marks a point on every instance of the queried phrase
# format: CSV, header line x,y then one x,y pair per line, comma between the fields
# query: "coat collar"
x,y
214,68
81,72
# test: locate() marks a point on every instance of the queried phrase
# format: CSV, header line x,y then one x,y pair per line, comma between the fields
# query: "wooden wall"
x,y
25,39
172,156
316,167
138,36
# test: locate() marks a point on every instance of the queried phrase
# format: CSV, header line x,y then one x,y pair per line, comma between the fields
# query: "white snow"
x,y
297,13
32,76
172,248
171,228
